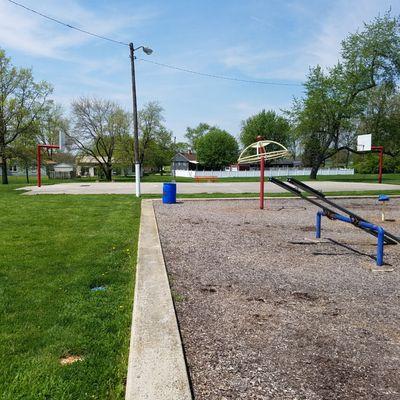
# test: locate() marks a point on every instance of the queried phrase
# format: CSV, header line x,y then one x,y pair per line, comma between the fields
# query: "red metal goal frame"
x,y
39,160
380,150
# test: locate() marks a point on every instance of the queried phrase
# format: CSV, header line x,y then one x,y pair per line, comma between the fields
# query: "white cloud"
x,y
24,31
342,19
322,46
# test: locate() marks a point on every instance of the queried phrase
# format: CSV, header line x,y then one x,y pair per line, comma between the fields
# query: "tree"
x,y
150,120
336,99
160,151
156,146
382,118
194,134
124,154
49,124
267,124
24,150
217,149
21,101
181,147
97,126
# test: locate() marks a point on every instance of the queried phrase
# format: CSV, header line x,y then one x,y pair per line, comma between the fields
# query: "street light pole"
x,y
173,162
135,121
147,51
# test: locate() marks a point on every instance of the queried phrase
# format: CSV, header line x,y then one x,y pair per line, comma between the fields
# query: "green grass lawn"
x,y
371,178
54,249
20,180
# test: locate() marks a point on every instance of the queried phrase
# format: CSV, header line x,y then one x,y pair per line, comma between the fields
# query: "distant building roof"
x,y
190,156
64,167
86,160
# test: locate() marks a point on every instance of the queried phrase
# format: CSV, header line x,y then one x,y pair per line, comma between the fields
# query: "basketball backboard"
x,y
364,142
61,140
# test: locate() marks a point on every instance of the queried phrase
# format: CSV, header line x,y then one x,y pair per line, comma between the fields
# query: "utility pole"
x,y
173,162
135,121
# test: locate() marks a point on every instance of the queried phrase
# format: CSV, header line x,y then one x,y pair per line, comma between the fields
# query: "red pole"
x,y
262,167
261,150
39,172
380,149
39,160
380,164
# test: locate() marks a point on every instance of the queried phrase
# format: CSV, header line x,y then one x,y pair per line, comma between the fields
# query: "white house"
x,y
62,171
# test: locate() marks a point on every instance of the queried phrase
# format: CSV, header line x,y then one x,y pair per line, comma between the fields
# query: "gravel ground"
x,y
267,312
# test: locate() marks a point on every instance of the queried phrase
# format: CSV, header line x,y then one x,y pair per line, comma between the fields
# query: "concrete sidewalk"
x,y
156,368
193,188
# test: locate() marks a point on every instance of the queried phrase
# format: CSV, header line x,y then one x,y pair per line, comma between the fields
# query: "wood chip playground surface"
x,y
267,312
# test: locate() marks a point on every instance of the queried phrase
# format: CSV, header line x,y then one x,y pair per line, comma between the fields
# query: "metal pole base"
x,y
137,179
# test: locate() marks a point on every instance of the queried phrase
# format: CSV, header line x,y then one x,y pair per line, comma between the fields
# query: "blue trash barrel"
x,y
169,193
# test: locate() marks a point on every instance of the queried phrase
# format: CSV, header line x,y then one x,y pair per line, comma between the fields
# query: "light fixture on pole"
x,y
147,51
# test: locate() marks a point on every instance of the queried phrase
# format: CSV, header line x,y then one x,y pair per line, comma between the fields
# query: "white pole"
x,y
137,179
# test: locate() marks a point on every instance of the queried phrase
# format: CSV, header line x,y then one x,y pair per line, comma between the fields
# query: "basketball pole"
x,y
39,160
380,168
364,144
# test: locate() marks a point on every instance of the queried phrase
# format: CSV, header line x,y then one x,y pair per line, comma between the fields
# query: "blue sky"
x,y
275,41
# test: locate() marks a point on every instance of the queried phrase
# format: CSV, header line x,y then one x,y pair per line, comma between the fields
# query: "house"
x,y
16,169
186,161
87,166
62,171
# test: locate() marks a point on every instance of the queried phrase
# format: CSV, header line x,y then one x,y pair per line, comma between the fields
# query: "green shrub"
x,y
369,164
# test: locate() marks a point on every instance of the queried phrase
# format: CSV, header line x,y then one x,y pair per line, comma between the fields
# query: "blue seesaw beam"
x,y
378,229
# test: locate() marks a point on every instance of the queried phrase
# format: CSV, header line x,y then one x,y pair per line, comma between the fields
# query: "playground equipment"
x,y
383,199
327,209
261,155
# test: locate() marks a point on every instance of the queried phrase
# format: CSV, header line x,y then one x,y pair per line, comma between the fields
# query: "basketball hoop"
x,y
364,143
61,140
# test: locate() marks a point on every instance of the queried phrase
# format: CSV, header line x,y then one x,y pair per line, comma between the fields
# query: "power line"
x,y
227,78
68,25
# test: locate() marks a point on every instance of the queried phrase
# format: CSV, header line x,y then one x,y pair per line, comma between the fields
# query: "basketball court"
x,y
193,188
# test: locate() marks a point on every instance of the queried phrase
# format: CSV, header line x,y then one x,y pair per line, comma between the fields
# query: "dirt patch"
x,y
70,359
271,313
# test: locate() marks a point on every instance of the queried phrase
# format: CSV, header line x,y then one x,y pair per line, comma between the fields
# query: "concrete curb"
x,y
156,367
183,199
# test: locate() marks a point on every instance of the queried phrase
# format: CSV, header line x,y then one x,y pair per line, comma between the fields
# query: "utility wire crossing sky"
x,y
149,61
252,55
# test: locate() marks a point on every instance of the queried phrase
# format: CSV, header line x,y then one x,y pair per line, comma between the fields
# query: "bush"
x,y
217,149
369,164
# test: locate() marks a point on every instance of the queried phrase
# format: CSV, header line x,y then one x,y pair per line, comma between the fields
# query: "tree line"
x,y
358,95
